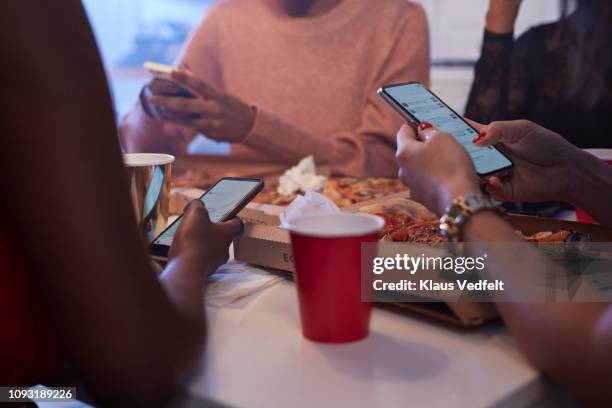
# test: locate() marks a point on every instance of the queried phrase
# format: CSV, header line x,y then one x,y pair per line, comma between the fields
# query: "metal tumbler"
x,y
149,177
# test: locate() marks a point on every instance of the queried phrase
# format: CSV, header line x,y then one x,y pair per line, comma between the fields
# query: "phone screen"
x,y
220,201
421,104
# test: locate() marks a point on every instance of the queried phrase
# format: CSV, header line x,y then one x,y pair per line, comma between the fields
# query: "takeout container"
x,y
265,244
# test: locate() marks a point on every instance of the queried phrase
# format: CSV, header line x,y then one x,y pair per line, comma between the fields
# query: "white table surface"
x,y
256,357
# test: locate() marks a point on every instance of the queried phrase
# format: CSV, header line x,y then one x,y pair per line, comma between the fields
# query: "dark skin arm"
x,y
130,338
570,342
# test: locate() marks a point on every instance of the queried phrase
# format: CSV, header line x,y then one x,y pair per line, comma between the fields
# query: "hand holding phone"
x,y
435,167
202,245
163,82
223,201
417,104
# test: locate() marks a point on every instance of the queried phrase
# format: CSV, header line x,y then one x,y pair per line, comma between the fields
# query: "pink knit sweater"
x,y
312,80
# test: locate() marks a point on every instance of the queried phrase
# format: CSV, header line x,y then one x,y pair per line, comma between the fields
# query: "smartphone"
x,y
163,71
416,104
224,200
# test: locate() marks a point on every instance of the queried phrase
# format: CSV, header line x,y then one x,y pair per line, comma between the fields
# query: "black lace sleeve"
x,y
501,80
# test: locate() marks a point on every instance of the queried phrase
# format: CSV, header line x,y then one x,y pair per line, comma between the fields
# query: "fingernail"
x,y
479,137
425,126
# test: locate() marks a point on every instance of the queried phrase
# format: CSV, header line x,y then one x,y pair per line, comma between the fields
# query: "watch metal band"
x,y
460,211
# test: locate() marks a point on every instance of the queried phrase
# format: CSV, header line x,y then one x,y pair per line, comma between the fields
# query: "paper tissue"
x,y
302,177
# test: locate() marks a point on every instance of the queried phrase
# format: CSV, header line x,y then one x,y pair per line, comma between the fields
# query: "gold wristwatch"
x,y
460,211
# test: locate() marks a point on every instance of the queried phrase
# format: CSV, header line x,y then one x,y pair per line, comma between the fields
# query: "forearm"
x,y
488,98
591,188
564,340
356,155
137,131
184,280
140,133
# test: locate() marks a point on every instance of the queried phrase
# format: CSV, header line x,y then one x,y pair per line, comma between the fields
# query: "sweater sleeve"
x,y
141,133
500,90
368,150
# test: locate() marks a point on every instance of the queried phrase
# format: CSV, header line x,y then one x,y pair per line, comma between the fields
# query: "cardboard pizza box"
x,y
265,244
209,168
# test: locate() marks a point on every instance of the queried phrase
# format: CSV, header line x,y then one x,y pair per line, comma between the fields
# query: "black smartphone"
x,y
224,200
416,104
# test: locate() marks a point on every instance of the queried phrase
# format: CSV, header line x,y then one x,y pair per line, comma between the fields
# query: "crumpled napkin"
x,y
310,203
236,280
301,178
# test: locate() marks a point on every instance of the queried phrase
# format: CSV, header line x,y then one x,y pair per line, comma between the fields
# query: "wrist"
x,y
192,260
250,114
488,226
459,189
497,24
461,212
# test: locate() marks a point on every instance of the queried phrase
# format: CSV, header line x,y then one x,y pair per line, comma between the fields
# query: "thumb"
x,y
194,204
196,208
508,132
478,126
499,190
183,66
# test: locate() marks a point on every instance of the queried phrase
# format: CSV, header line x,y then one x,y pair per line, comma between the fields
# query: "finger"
x,y
498,189
172,105
503,132
427,131
179,105
196,208
195,84
234,227
163,86
407,145
478,126
205,124
406,135
184,66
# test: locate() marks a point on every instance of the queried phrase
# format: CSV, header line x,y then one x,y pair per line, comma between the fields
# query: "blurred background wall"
x,y
130,32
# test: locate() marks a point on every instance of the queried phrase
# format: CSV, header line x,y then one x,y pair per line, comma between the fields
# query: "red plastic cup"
x,y
327,258
606,156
